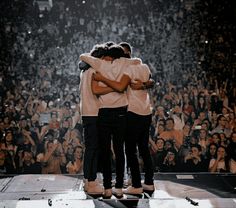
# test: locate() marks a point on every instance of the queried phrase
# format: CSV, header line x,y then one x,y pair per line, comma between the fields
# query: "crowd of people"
x,y
191,58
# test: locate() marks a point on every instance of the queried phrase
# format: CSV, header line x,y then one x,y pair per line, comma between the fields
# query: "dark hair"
x,y
98,51
126,45
208,155
109,43
219,118
198,146
78,147
206,121
115,52
27,150
162,120
226,159
9,131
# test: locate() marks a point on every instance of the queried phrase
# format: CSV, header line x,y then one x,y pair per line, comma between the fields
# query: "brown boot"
x,y
107,194
94,188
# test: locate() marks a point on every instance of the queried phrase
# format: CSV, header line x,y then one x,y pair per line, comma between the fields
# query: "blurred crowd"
x,y
188,45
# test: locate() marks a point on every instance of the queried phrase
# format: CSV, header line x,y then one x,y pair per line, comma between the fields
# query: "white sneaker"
x,y
117,192
148,187
133,190
94,188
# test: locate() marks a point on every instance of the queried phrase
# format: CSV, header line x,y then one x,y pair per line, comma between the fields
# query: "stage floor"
x,y
171,190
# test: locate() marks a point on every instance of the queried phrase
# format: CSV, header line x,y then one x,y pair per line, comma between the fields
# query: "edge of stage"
x,y
171,190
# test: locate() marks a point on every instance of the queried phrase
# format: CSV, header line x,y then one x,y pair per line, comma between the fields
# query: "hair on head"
x,y
115,52
98,51
126,46
109,43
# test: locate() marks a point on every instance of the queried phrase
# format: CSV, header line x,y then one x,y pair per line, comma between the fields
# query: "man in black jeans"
x,y
138,121
89,106
112,115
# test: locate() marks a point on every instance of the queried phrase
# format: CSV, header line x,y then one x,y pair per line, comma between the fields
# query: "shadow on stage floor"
x,y
175,190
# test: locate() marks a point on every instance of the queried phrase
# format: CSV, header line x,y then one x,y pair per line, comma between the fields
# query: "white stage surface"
x,y
171,191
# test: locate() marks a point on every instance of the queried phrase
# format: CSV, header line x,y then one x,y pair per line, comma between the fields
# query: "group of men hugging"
x,y
116,115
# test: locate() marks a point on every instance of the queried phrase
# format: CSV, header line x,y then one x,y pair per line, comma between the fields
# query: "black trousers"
x,y
138,136
112,126
91,147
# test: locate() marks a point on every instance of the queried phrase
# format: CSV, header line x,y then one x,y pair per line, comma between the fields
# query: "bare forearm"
x,y
117,86
92,61
120,86
98,90
139,85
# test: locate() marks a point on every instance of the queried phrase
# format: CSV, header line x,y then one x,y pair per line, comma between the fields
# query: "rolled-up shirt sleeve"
x,y
92,61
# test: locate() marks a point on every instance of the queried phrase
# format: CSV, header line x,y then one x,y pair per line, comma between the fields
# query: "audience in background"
x,y
194,69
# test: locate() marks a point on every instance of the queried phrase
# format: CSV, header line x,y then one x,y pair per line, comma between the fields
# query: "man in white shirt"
x,y
89,106
112,115
138,123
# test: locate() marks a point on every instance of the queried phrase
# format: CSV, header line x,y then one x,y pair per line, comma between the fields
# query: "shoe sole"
x,y
95,193
106,197
95,196
134,193
145,190
118,196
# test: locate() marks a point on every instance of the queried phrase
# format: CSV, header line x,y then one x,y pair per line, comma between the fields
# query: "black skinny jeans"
x,y
138,135
112,126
